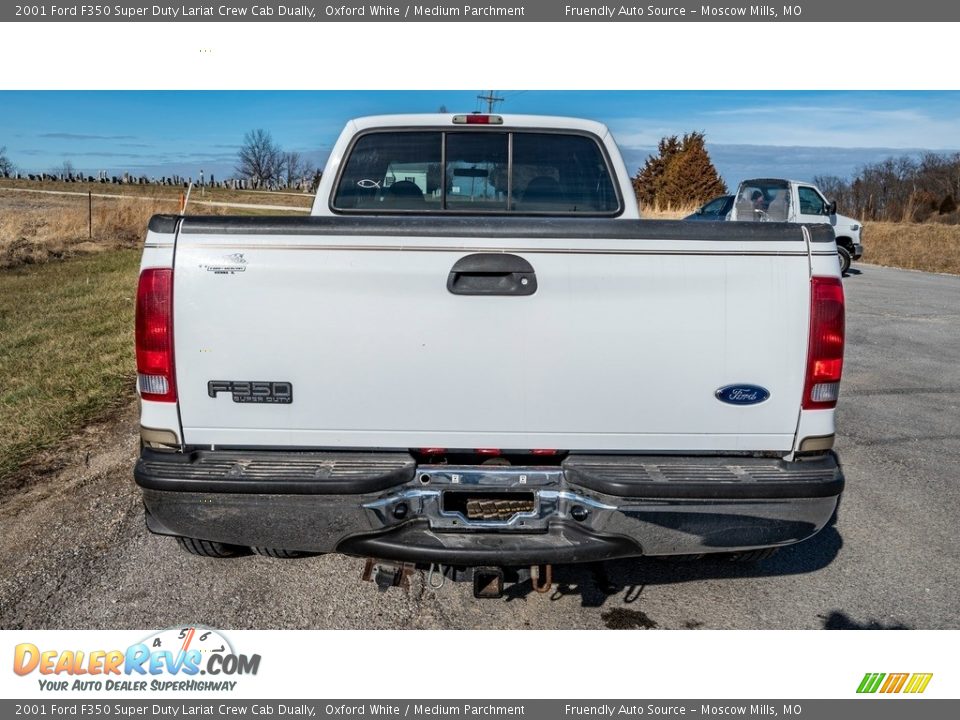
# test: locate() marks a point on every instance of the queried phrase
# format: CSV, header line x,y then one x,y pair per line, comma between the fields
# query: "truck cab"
x,y
778,200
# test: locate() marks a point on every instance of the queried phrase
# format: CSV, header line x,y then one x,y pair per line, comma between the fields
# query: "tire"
x,y
280,553
845,259
752,556
208,548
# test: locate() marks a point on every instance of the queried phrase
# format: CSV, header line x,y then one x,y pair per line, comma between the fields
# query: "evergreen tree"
x,y
680,174
646,184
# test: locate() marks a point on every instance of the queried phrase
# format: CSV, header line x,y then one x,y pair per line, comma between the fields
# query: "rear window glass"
x,y
476,172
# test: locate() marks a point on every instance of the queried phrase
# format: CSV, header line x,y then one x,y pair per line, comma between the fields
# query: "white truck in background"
x,y
474,357
779,200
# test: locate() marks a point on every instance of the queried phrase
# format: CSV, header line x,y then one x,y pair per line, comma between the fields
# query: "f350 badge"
x,y
253,391
742,394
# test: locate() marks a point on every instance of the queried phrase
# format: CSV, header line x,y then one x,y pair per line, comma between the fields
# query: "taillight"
x,y
154,332
825,351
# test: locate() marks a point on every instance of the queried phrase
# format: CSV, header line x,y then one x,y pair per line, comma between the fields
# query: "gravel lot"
x,y
76,554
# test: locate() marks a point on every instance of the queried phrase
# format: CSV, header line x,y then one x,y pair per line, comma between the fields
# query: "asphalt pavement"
x,y
76,553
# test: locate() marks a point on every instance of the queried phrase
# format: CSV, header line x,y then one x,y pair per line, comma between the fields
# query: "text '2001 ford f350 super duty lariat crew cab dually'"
x,y
474,354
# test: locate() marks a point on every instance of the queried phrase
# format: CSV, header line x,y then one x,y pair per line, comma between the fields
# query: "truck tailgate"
x,y
633,328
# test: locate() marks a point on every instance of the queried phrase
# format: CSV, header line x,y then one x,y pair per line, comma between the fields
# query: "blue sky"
x,y
791,133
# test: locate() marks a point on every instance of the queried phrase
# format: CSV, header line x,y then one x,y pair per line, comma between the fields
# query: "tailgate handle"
x,y
492,274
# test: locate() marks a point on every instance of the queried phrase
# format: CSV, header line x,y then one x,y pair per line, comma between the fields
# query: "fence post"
x,y
90,214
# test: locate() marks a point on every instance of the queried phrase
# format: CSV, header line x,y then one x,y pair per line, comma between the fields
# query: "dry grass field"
x,y
931,247
40,226
655,212
34,231
162,192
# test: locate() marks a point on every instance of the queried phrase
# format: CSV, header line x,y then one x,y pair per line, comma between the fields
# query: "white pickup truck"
x,y
778,200
474,355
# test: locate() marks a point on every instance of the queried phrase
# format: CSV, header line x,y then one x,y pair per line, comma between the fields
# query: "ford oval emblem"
x,y
742,394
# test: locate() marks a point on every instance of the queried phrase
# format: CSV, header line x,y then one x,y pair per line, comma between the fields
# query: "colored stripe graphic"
x,y
894,682
918,682
870,682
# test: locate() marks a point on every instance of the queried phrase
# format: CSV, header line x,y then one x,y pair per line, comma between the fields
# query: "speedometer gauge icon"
x,y
182,639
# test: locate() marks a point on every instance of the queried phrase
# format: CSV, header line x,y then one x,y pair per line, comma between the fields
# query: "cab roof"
x,y
549,122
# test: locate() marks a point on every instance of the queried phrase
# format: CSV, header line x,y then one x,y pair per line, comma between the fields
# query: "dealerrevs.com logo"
x,y
910,683
178,659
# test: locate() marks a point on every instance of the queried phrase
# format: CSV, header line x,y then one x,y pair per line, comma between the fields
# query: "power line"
x,y
491,99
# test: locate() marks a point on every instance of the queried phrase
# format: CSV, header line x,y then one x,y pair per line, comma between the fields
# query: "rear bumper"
x,y
590,508
857,251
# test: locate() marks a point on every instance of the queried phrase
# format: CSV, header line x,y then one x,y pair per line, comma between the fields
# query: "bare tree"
x,y
260,158
66,169
835,188
7,168
294,168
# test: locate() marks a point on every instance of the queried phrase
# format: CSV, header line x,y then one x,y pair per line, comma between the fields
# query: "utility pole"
x,y
490,99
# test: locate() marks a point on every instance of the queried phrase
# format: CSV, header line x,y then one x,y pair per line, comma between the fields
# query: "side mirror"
x,y
832,208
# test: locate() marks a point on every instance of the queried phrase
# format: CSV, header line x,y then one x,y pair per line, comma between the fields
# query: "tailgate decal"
x,y
253,391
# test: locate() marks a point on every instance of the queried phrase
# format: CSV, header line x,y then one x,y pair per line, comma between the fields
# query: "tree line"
x,y
260,160
903,189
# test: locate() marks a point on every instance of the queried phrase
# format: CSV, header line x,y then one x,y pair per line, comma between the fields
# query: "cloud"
x,y
791,125
206,156
863,114
81,136
108,154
